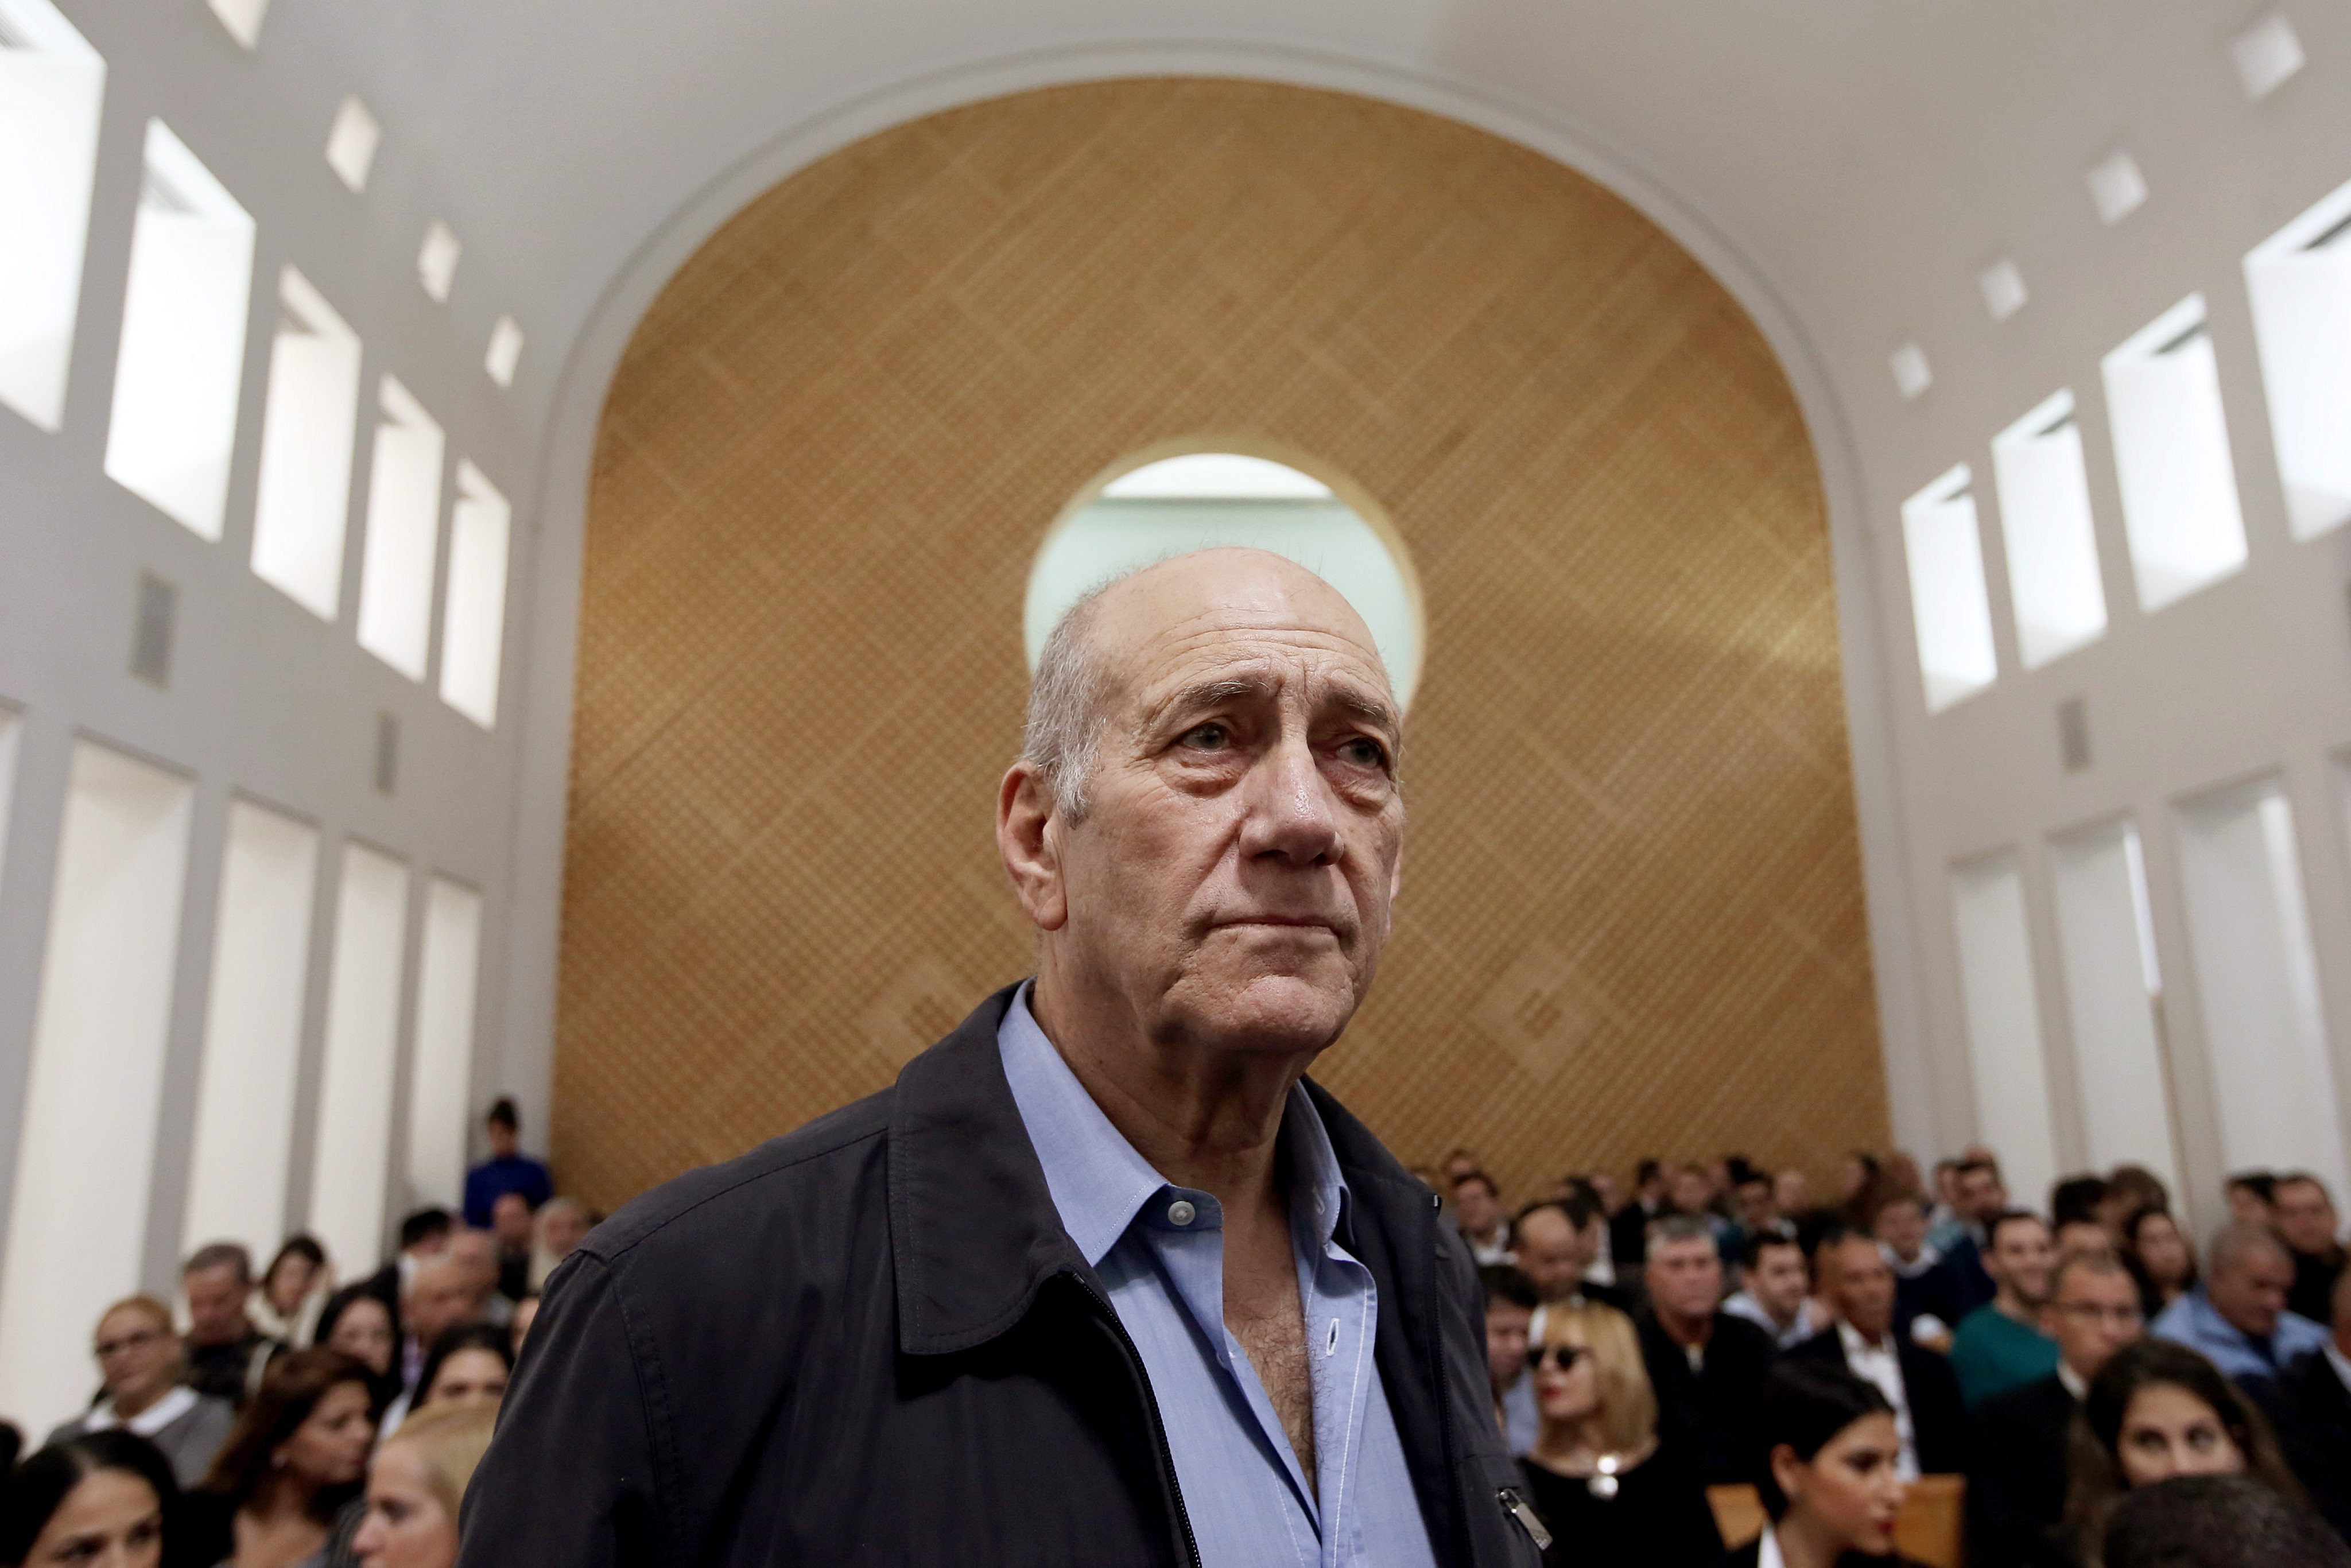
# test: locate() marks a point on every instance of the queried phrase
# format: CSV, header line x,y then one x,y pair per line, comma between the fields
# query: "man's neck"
x,y
2011,1305
1883,1339
1203,1117
138,1402
1686,1331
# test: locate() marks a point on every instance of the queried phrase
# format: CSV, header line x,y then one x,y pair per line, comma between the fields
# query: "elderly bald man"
x,y
1101,1278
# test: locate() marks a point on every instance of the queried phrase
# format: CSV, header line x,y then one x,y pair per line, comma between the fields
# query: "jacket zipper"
x,y
1517,1508
1436,1353
1151,1406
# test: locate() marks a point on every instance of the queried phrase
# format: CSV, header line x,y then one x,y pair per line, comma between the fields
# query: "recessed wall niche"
x,y
826,466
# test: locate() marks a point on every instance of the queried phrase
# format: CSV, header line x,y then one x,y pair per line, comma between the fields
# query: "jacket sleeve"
x,y
572,1476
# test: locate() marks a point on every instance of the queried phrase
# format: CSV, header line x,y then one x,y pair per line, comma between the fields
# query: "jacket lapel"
x,y
1394,1237
973,1230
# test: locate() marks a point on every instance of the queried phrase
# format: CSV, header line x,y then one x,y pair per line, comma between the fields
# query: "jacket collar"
x,y
972,1231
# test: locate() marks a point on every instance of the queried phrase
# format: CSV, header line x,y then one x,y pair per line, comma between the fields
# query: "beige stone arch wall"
x,y
1632,918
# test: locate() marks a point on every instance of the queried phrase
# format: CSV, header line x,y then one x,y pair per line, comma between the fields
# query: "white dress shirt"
x,y
1768,1554
1882,1365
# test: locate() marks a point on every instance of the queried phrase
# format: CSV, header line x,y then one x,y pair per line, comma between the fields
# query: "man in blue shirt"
x,y
2236,1317
506,1170
1103,1276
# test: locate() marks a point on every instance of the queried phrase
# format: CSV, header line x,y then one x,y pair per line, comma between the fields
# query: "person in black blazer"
x,y
1705,1365
2017,1479
1831,1483
2310,1404
1858,1284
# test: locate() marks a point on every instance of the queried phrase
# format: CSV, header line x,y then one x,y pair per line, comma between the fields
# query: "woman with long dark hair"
x,y
294,1290
469,1362
1831,1483
102,1497
297,1457
2158,1257
357,1323
2158,1410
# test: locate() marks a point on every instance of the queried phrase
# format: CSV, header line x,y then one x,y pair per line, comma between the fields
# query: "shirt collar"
x,y
2075,1384
1097,1179
1767,1555
1850,1337
2340,1362
150,1421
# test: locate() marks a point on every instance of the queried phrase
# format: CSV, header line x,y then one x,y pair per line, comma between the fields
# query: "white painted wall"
x,y
81,1188
350,1161
441,1081
251,1061
2006,1055
2105,936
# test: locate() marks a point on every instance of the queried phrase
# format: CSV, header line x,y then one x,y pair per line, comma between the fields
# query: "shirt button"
x,y
1181,1212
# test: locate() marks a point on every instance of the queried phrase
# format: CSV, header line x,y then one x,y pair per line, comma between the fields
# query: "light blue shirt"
x,y
1159,1251
2193,1321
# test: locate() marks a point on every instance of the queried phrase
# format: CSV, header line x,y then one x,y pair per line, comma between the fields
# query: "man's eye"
x,y
1208,737
1365,753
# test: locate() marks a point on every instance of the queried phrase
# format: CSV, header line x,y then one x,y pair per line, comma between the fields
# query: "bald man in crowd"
x,y
1103,1277
2238,1316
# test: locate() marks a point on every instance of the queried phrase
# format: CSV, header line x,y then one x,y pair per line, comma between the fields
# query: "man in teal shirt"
x,y
2000,1345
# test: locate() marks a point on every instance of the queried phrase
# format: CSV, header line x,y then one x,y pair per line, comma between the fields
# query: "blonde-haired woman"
x,y
416,1483
1610,1493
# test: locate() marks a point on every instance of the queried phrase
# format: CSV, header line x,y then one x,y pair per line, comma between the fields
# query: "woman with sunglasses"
x,y
1597,1476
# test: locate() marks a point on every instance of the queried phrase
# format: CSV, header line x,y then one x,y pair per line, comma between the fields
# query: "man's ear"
x,y
1027,835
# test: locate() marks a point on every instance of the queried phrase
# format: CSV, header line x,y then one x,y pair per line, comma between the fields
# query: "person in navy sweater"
x,y
508,1169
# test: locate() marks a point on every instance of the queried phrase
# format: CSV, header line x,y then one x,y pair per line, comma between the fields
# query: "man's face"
x,y
1791,1192
1901,1226
510,1220
216,1305
2095,1313
442,1296
1551,1254
2082,1236
1981,1196
476,1252
2021,1260
1860,1285
1473,1200
502,1141
1506,1342
1779,1281
2251,1293
2246,1206
1231,883
1691,1193
2306,1219
1755,1209
1685,1278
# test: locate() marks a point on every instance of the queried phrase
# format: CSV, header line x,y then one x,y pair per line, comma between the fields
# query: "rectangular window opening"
x,y
253,1031
2171,457
182,356
77,1225
351,1166
1944,547
2104,937
2257,978
403,534
2045,526
473,622
2298,280
51,85
309,426
2001,1012
442,1091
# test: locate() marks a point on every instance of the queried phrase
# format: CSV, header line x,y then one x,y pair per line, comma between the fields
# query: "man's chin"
x,y
1280,1013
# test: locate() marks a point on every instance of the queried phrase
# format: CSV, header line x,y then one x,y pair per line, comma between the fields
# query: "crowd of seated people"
x,y
1709,1340
295,1422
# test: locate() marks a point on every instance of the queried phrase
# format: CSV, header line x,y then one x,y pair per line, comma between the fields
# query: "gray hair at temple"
x,y
1066,706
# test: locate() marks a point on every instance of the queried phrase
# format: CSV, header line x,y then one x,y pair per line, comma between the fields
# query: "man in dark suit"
x,y
1706,1365
1858,1284
2310,1404
2016,1483
1628,1228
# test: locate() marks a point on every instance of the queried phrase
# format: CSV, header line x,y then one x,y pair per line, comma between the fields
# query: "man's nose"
x,y
1290,812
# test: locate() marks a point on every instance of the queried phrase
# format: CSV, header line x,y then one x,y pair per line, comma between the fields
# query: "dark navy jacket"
x,y
872,1342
